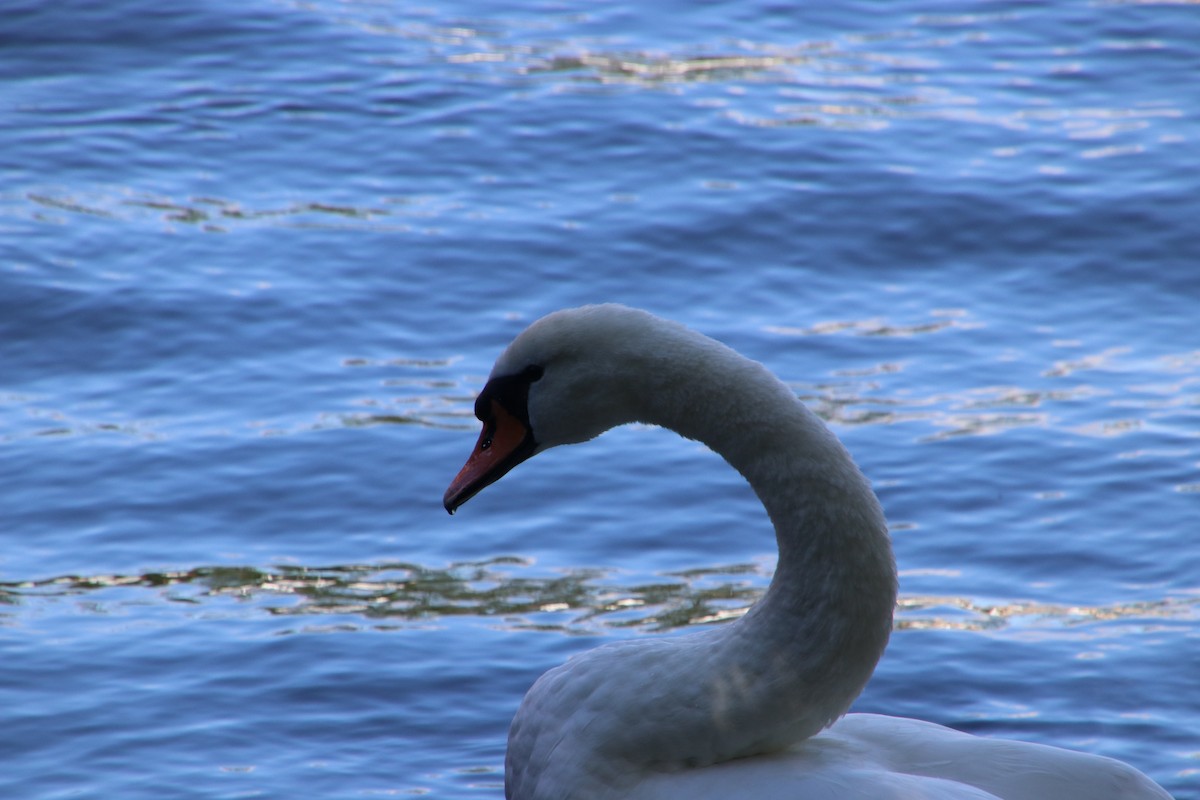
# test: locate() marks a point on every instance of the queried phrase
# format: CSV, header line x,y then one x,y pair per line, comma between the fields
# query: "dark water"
x,y
256,258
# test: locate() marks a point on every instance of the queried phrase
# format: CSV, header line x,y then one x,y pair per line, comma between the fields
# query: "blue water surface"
x,y
257,257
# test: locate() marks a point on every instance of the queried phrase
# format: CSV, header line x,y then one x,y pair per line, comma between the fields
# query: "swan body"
x,y
755,708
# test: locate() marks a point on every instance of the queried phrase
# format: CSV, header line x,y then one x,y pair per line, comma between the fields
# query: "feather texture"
x,y
753,708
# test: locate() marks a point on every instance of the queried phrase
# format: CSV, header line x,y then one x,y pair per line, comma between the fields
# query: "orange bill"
x,y
504,442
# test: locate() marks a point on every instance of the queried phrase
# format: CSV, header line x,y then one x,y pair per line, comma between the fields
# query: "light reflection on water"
x,y
508,591
849,82
431,391
212,214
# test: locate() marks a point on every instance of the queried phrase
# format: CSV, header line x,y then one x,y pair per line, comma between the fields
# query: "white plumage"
x,y
754,708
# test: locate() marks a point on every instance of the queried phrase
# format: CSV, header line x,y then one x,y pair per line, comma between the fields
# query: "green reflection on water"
x,y
570,601
574,600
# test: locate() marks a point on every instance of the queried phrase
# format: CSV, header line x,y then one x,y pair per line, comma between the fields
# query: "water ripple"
x,y
506,591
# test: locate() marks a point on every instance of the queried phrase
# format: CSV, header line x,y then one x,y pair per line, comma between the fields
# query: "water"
x,y
257,257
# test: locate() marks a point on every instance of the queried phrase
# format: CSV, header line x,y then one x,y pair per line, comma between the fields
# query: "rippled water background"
x,y
256,257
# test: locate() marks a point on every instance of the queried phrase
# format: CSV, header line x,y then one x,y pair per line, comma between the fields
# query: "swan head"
x,y
566,378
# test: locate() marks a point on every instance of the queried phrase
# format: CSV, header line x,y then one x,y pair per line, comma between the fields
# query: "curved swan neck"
x,y
815,637
819,502
796,660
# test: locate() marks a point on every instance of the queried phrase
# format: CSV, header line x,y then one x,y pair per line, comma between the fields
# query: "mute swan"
x,y
754,708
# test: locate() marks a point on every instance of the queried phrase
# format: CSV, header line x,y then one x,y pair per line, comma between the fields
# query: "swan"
x,y
755,708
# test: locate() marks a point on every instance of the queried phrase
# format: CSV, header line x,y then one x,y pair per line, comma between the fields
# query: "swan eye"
x,y
533,372
488,435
